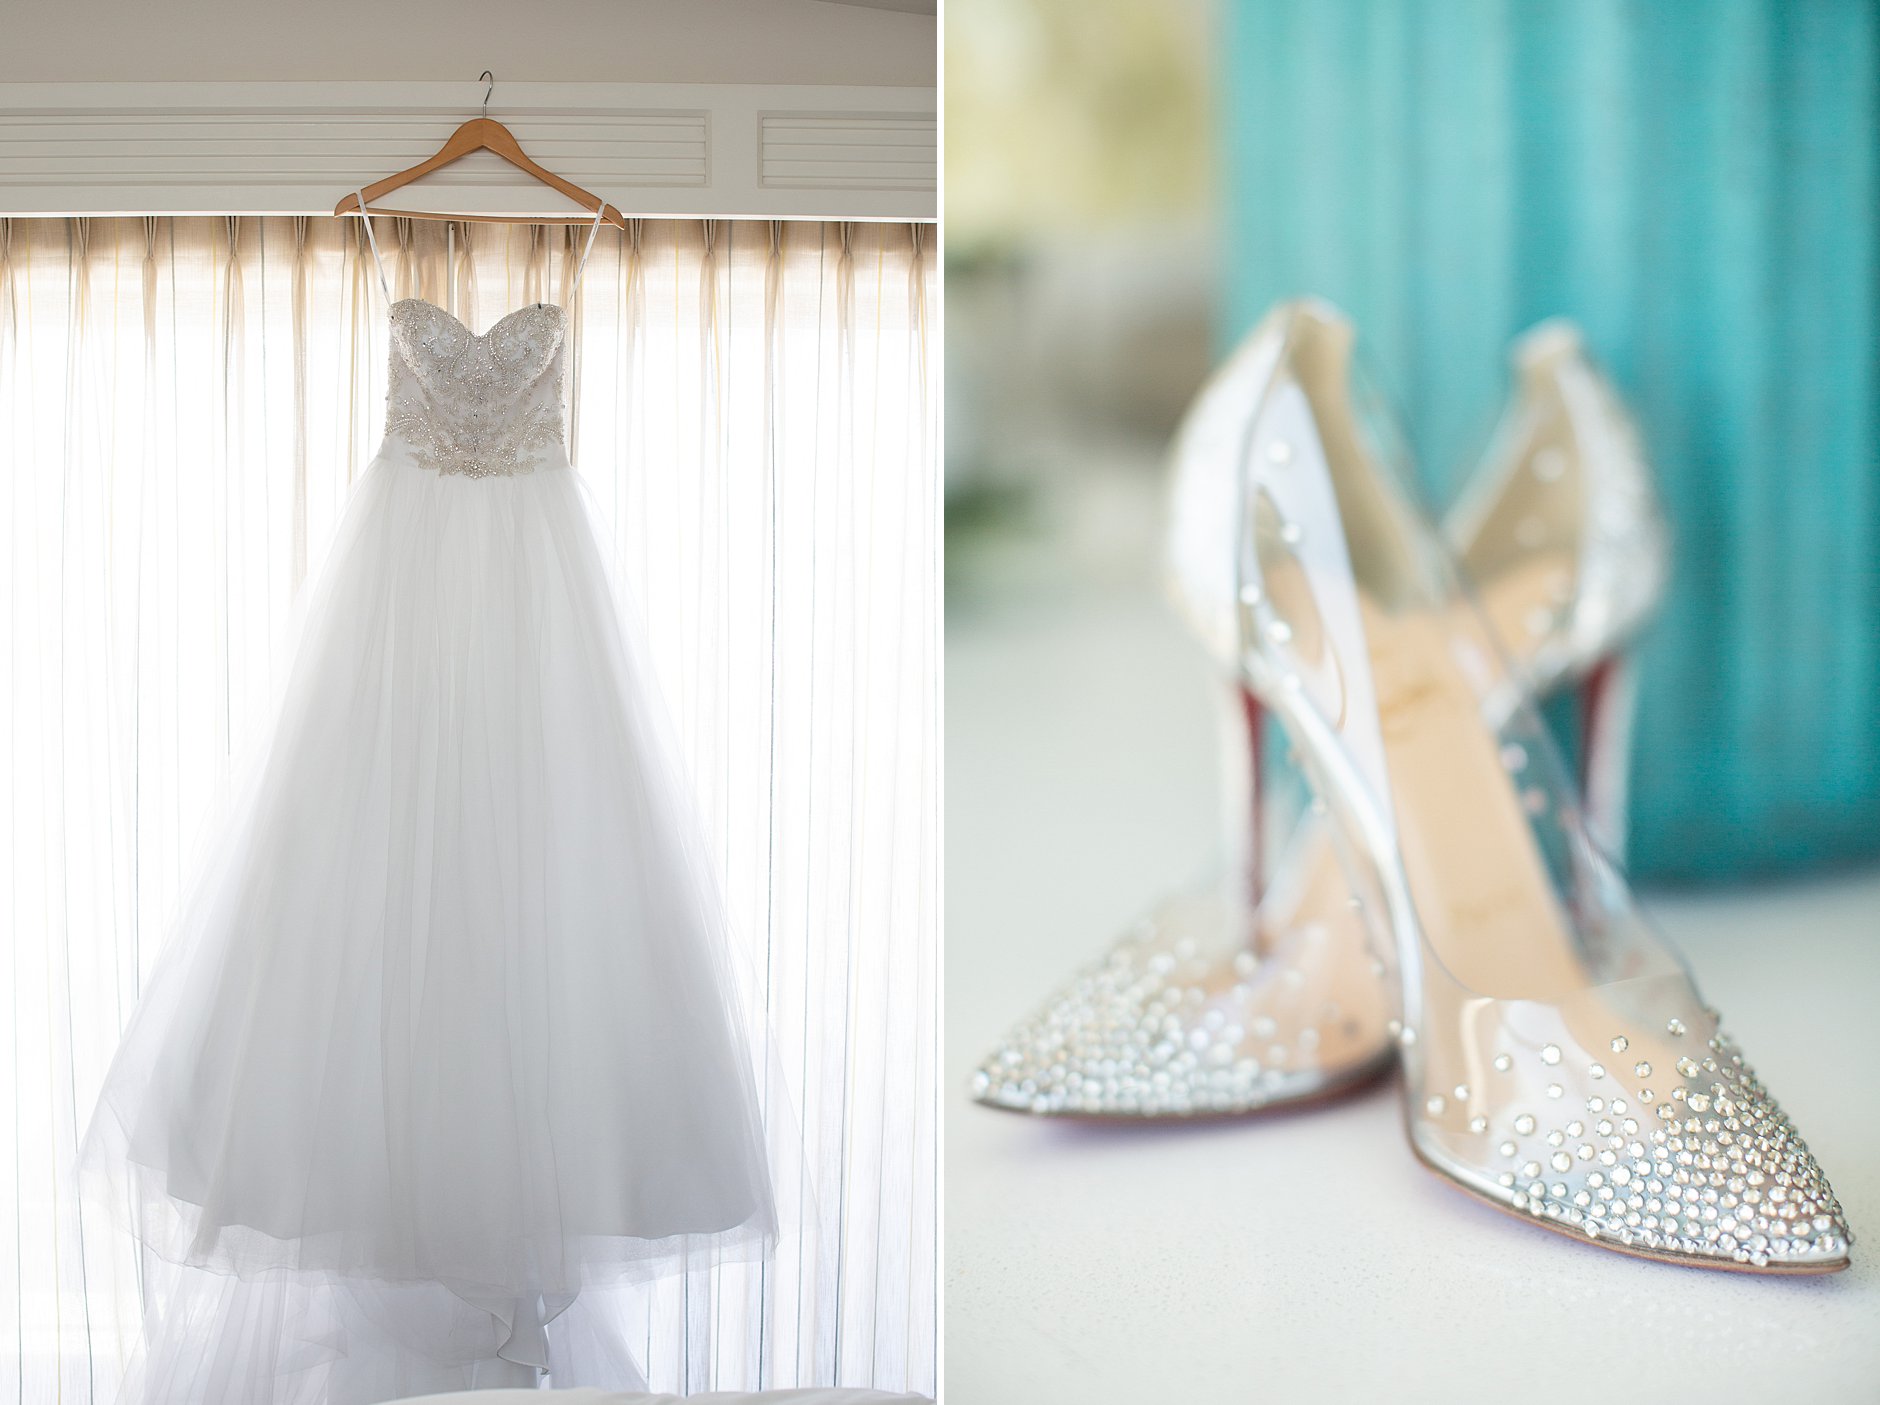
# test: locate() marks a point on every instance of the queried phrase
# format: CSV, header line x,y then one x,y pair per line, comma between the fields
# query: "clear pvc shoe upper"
x,y
1558,1057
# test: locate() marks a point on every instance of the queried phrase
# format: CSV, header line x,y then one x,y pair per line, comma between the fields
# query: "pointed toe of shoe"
x,y
1677,1152
1183,1020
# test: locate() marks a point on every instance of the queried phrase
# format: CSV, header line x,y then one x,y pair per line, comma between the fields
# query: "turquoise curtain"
x,y
1698,183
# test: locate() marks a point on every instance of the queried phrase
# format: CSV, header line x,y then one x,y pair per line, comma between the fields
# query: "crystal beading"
x,y
1168,1026
1714,1170
482,406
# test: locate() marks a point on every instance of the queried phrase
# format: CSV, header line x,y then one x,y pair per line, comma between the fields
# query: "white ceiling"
x,y
888,43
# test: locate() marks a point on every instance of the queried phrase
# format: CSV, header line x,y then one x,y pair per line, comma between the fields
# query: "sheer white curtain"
x,y
184,404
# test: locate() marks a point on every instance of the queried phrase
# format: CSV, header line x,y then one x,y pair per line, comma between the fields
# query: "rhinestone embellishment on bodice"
x,y
478,405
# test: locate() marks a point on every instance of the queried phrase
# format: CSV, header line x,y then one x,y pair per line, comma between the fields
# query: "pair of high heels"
x,y
1441,897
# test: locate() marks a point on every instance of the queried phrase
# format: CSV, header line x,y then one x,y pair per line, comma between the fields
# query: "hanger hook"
x,y
487,91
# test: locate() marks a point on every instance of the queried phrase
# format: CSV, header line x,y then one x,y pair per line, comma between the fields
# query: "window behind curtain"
x,y
184,405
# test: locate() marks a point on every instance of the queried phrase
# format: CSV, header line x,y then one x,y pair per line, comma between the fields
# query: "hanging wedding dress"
x,y
446,1034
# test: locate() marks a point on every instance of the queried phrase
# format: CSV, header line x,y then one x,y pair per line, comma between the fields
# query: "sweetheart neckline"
x,y
488,331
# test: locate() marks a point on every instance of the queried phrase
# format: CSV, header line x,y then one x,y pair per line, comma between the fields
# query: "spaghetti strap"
x,y
372,239
581,267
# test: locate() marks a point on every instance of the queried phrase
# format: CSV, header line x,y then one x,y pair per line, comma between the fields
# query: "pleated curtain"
x,y
1699,185
184,407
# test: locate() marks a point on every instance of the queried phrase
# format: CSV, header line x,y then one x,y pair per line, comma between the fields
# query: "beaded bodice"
x,y
478,405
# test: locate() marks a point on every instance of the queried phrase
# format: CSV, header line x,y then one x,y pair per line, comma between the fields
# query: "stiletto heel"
x,y
1608,702
1558,1061
1253,809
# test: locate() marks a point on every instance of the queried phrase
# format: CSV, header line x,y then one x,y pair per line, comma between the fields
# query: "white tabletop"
x,y
1307,1257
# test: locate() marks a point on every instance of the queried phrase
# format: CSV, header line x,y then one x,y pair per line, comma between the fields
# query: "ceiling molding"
x,y
716,150
905,7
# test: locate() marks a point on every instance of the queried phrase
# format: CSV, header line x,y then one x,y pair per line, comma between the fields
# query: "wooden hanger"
x,y
482,134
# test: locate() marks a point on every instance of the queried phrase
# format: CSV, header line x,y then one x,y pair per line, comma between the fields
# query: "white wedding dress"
x,y
445,1041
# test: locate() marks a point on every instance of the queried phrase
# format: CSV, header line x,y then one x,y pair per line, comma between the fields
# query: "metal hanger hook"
x,y
487,91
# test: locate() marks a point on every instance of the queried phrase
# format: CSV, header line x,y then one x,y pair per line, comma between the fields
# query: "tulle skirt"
x,y
446,1035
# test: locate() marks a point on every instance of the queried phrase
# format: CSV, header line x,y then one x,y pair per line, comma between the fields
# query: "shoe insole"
x,y
1481,887
1481,874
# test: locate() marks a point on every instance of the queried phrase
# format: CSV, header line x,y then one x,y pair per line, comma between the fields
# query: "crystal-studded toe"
x,y
1186,1017
1626,1116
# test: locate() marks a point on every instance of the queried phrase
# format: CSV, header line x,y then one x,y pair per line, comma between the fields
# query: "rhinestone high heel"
x,y
1260,991
1558,1061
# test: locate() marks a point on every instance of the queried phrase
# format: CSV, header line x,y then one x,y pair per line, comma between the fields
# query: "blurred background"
x,y
1129,184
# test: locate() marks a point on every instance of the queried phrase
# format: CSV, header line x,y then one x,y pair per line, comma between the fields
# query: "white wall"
x,y
658,41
